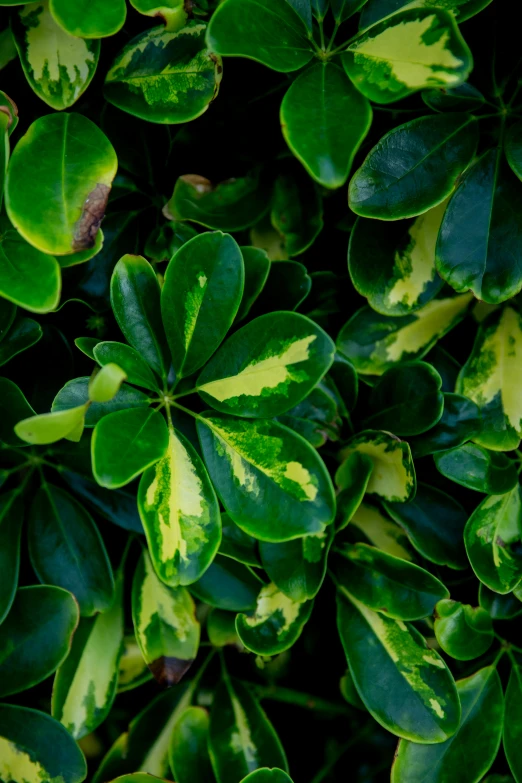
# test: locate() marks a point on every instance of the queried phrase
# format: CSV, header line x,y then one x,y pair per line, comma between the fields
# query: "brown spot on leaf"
x,y
169,671
90,220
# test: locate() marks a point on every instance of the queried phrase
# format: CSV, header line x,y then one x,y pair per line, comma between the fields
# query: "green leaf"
x,y
87,344
266,775
464,632
36,636
465,97
434,523
257,269
50,427
499,607
513,148
267,366
271,482
406,400
7,316
75,393
116,505
477,739
490,532
296,211
165,624
13,408
133,670
380,531
513,723
165,76
476,468
85,684
135,299
35,747
287,287
298,567
167,239
386,583
58,66
316,417
88,19
277,622
352,479
374,342
349,691
491,378
271,32
461,421
227,584
406,687
130,361
188,751
180,513
67,550
23,333
72,157
28,277
408,51
173,12
11,518
479,247
413,167
324,121
237,544
393,475
105,383
232,205
200,298
221,629
241,738
343,9
394,267
126,443
375,10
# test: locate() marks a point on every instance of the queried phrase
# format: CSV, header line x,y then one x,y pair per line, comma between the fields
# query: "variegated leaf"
x,y
133,668
180,514
393,474
276,624
380,531
272,482
165,624
267,366
405,686
58,66
492,377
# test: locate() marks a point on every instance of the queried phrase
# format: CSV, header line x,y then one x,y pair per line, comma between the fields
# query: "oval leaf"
x,y
188,750
464,632
276,624
476,468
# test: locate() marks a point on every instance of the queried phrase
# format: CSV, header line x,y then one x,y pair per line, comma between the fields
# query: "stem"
x,y
332,39
321,34
185,410
299,699
185,393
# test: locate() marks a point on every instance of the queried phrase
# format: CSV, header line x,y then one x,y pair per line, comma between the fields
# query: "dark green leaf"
x,y
464,632
130,361
298,567
11,517
188,751
23,333
237,544
257,269
76,393
477,468
229,585
461,421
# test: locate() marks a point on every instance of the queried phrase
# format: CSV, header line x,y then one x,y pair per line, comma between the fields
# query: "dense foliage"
x,y
260,511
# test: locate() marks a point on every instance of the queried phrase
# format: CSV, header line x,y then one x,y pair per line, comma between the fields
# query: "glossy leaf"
x,y
11,517
464,632
316,417
50,427
130,361
75,394
23,333
374,342
287,286
461,421
465,97
167,239
88,19
375,10
480,729
406,687
36,636
180,513
200,298
237,544
58,66
133,670
267,366
165,624
499,607
68,154
393,474
221,629
408,51
165,76
28,277
126,443
257,269
413,167
513,148
13,408
105,384
188,751
276,623
229,585
489,536
173,12
67,550
512,723
271,482
324,120
381,532
116,505
296,211
477,468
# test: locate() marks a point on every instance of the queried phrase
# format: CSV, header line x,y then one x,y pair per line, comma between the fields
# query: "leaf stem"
x,y
306,700
332,39
185,410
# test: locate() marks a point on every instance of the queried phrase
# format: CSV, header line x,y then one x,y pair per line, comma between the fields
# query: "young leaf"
x,y
229,585
408,51
180,79
461,421
130,361
276,624
241,738
70,155
272,33
374,342
126,443
105,384
393,474
267,366
28,277
387,584
477,739
135,299
36,747
476,468
394,267
11,517
58,66
406,687
490,531
188,751
67,550
89,18
180,513
36,636
165,624
76,392
50,427
324,120
464,632
200,298
491,378
271,481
